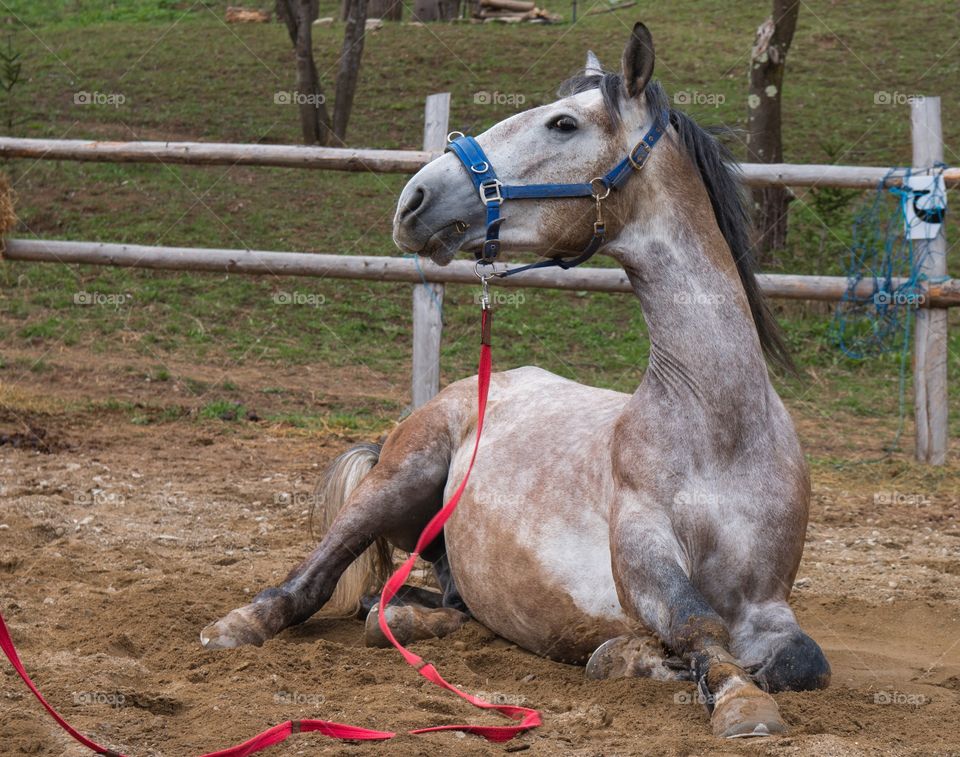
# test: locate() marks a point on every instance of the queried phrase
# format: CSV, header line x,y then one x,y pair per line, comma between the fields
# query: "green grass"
x,y
185,75
366,420
223,410
76,14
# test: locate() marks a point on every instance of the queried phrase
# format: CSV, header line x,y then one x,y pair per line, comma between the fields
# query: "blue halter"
x,y
493,192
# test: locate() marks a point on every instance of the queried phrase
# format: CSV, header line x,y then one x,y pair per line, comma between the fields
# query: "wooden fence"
x,y
930,337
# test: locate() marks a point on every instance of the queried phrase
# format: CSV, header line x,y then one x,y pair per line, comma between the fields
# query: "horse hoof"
x,y
402,621
747,714
410,623
629,657
236,629
372,635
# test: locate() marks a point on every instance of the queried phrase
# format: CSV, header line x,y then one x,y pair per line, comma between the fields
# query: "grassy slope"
x,y
185,75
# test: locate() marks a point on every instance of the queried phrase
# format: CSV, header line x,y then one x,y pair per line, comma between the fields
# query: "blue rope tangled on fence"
x,y
883,251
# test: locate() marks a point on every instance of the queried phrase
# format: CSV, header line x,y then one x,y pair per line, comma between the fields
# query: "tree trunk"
x,y
764,141
388,10
299,16
284,13
350,56
435,10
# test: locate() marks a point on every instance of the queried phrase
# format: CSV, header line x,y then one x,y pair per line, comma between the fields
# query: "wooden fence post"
x,y
930,333
428,298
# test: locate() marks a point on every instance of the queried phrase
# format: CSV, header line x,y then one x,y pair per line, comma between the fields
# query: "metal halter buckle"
x,y
454,135
647,149
486,187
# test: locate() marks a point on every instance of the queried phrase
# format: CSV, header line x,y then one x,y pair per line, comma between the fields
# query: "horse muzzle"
x,y
436,214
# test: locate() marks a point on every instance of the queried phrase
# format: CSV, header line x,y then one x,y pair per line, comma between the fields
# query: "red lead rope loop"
x,y
526,718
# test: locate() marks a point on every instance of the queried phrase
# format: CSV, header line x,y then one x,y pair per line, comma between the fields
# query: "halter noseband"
x,y
493,192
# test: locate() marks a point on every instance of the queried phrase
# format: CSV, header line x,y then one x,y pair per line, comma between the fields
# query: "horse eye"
x,y
563,123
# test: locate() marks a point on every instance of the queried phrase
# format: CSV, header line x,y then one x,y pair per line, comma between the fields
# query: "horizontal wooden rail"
x,y
383,268
386,161
844,177
217,154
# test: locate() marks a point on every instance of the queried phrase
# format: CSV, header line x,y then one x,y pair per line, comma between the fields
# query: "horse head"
x,y
600,119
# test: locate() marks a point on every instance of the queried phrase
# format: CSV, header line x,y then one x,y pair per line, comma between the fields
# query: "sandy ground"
x,y
121,541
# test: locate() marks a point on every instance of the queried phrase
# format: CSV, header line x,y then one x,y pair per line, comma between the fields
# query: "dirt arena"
x,y
121,541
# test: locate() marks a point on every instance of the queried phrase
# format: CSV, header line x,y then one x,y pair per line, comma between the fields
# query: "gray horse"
x,y
655,534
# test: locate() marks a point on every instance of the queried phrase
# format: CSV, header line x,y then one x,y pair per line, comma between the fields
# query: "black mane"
x,y
721,177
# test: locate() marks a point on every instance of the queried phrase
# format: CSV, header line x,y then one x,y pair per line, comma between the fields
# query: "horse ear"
x,y
638,60
592,66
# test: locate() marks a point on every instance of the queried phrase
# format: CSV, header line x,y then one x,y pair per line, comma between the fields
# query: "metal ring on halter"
x,y
491,273
604,184
477,169
451,137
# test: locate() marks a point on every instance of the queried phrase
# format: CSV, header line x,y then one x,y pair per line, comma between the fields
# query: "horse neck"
x,y
705,353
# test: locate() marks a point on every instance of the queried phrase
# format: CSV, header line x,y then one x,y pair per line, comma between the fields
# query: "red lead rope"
x,y
524,717
528,718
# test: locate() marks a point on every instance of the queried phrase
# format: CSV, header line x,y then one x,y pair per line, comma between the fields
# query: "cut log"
x,y
246,16
519,6
541,15
491,11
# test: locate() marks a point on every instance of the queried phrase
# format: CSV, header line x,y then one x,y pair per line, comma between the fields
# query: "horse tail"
x,y
370,571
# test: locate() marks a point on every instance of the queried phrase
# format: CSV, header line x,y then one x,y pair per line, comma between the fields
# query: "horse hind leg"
x,y
411,622
414,613
316,581
367,498
407,595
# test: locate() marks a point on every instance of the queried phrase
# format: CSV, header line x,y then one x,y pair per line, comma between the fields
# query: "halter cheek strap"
x,y
493,193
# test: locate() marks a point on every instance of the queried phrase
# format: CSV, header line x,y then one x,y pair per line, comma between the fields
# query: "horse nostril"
x,y
414,204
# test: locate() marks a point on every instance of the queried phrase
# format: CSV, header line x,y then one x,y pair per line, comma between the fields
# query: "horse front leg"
x,y
768,639
654,588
